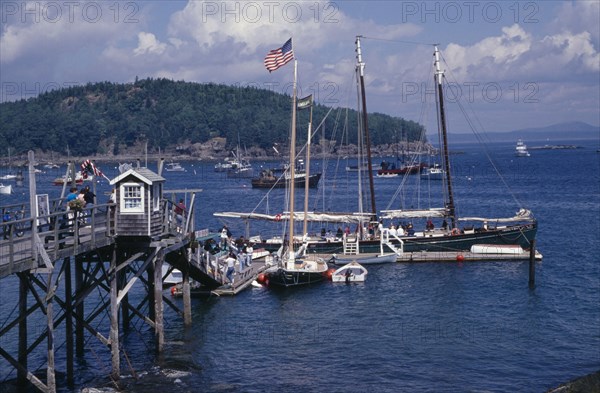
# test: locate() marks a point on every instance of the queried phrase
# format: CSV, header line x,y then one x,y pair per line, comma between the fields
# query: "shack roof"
x,y
144,174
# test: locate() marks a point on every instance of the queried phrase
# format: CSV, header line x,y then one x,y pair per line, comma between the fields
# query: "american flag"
x,y
88,167
280,56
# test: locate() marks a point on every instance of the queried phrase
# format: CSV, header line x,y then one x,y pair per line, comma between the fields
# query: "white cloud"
x,y
517,54
256,27
147,43
578,16
225,42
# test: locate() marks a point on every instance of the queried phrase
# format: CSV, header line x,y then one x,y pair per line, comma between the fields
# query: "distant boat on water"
x,y
5,190
521,149
174,167
434,172
59,181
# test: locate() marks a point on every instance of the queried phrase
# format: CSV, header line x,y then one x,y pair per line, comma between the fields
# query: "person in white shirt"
x,y
230,267
400,231
224,238
241,258
249,251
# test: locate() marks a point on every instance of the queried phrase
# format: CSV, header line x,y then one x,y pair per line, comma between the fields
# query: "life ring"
x,y
455,232
278,217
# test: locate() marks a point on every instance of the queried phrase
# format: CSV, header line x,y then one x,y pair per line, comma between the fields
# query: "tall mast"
x,y
292,171
361,73
438,80
307,171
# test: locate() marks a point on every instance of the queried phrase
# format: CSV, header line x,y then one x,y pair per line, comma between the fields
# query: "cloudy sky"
x,y
514,64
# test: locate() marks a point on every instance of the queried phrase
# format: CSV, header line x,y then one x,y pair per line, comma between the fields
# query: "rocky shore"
x,y
216,150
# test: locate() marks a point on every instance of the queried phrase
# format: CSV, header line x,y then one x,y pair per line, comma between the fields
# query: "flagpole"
x,y
307,171
291,258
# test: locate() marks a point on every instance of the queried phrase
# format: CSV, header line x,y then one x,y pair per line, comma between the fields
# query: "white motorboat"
x,y
434,172
5,190
521,149
174,167
352,272
172,278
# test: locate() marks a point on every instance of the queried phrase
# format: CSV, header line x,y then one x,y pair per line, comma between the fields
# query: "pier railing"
x,y
28,242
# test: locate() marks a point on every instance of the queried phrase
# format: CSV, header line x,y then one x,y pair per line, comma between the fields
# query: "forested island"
x,y
203,121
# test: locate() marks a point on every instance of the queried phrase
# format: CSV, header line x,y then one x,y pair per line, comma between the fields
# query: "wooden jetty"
x,y
212,269
75,267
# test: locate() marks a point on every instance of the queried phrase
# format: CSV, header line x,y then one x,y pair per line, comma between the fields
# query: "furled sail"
x,y
522,215
350,218
425,213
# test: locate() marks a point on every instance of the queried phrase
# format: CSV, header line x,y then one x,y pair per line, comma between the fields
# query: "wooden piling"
x,y
69,321
114,318
532,264
125,316
79,309
22,356
158,303
187,301
50,374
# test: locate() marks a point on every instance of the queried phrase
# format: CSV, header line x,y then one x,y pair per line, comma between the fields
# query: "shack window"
x,y
132,198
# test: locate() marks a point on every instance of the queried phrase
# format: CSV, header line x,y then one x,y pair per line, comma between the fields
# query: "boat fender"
x,y
329,274
460,258
455,232
278,217
173,289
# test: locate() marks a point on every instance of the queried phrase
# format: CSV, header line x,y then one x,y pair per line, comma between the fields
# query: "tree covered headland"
x,y
105,117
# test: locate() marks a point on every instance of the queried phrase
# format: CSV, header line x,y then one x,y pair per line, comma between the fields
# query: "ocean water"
x,y
438,327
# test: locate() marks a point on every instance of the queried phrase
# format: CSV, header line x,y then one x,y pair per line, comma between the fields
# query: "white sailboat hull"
x,y
5,190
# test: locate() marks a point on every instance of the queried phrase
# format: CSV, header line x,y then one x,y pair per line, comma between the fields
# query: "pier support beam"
x,y
50,375
158,301
69,321
187,300
22,356
125,317
532,265
114,318
79,308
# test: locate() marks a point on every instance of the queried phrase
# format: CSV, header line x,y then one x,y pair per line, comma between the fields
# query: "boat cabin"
x,y
138,196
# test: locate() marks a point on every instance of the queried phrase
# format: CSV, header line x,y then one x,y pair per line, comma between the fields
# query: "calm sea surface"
x,y
439,327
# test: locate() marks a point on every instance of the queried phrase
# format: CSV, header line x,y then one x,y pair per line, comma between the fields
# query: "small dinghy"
x,y
351,272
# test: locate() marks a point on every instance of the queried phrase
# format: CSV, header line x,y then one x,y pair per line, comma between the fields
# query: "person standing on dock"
x,y
230,267
72,195
249,251
89,197
179,209
241,257
224,237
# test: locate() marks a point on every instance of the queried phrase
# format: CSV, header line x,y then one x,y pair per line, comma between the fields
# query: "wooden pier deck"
x,y
74,269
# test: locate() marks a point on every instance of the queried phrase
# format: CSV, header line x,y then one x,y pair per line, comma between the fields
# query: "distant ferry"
x,y
174,167
521,149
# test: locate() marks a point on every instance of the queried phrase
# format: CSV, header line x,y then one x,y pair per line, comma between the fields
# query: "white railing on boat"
x,y
384,240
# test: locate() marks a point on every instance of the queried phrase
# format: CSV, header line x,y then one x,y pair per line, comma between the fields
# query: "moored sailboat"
x,y
454,234
291,270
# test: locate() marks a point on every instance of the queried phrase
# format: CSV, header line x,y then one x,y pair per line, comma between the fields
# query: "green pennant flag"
x,y
305,102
